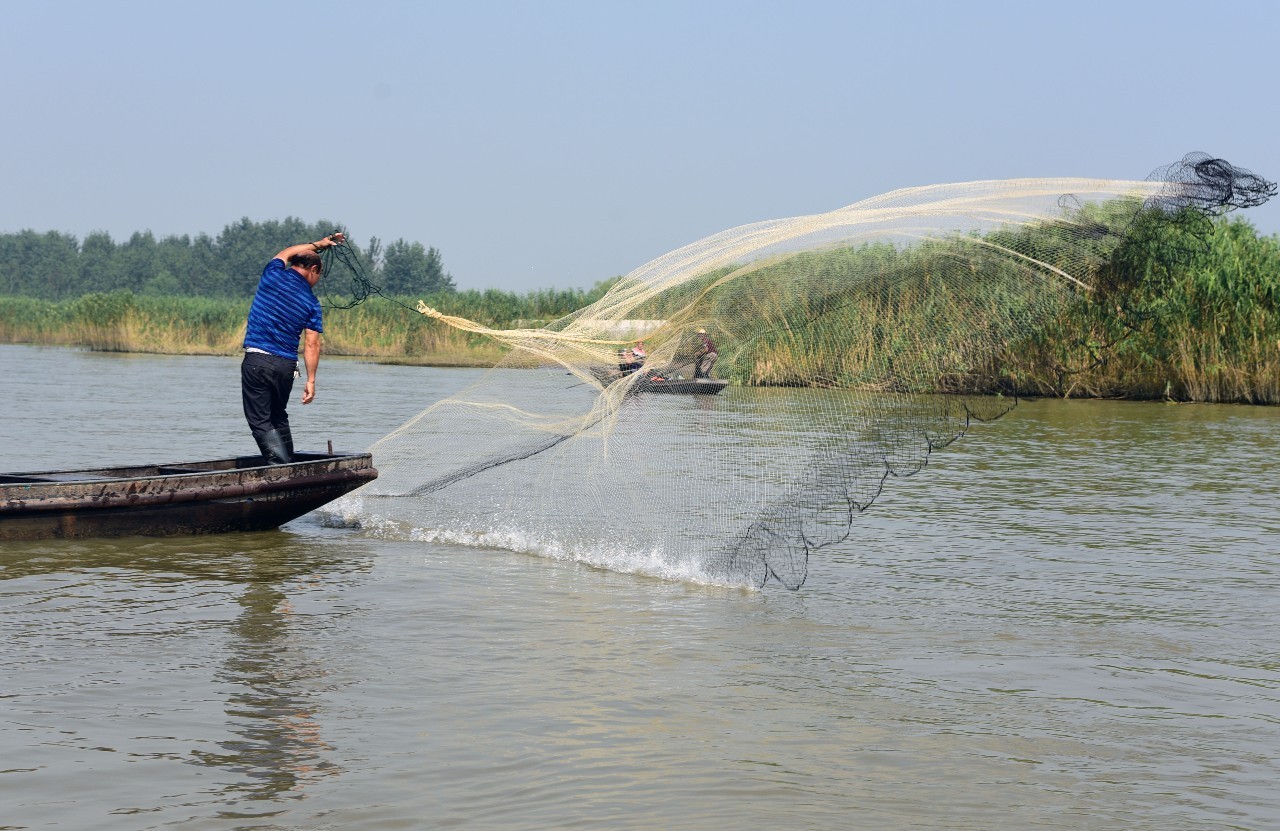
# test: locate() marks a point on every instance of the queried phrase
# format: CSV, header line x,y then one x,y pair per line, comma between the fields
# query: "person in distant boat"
x,y
284,309
705,360
624,361
632,359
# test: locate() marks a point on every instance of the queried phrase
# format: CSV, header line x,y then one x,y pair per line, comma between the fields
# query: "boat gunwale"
x,y
17,498
100,475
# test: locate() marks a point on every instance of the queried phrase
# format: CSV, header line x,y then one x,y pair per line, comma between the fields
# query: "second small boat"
x,y
656,382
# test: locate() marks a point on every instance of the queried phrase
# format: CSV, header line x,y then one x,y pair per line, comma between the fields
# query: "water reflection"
x,y
222,558
165,591
279,749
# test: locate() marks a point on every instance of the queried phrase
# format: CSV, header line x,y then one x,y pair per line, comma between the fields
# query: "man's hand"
x,y
336,238
309,392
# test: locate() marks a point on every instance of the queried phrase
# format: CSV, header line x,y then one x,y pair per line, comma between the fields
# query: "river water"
x,y
1067,621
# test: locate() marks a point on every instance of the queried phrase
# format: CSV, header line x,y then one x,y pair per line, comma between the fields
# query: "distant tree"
x,y
134,262
9,281
52,265
372,259
96,253
163,283
600,289
61,265
40,265
244,248
408,268
211,277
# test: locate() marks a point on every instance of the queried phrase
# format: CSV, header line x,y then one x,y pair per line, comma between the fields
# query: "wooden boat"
x,y
659,383
237,494
681,386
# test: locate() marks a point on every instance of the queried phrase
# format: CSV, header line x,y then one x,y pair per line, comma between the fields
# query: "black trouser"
x,y
265,384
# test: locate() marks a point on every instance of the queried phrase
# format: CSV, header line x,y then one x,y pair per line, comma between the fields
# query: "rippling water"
x,y
1067,621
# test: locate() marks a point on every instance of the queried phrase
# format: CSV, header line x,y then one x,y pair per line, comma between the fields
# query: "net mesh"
x,y
847,346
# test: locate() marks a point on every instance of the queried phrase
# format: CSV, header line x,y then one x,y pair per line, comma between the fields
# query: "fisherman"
x,y
705,360
284,309
632,359
626,363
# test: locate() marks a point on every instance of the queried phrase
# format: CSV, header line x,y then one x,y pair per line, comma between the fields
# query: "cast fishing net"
x,y
853,342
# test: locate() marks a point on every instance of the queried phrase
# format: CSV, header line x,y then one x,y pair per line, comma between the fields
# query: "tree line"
x,y
53,265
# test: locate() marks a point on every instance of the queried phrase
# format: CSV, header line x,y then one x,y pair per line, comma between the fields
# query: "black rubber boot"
x,y
273,449
286,435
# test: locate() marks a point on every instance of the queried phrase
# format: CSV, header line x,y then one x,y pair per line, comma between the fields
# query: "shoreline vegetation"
x,y
1209,329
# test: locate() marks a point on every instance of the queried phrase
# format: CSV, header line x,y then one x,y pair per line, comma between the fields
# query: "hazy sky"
x,y
554,144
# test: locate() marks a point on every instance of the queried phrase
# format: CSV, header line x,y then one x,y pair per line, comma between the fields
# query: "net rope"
x,y
853,343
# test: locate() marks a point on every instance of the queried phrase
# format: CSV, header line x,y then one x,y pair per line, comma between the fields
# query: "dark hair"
x,y
307,259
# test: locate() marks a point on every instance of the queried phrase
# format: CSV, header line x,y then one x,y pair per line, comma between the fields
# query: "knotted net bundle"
x,y
850,345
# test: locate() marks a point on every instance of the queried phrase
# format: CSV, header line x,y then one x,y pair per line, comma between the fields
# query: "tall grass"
x,y
123,322
1206,328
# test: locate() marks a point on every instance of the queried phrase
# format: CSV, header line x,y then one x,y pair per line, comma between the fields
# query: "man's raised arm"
x,y
317,246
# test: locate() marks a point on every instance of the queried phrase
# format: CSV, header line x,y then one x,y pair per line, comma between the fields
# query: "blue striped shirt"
x,y
282,307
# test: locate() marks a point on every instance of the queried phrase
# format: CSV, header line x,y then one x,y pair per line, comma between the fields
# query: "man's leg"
x,y
706,363
279,412
262,381
255,394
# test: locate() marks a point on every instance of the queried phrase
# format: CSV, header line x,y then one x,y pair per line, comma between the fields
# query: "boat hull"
x,y
660,384
700,386
208,497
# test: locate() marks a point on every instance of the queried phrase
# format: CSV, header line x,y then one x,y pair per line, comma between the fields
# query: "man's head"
x,y
309,265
